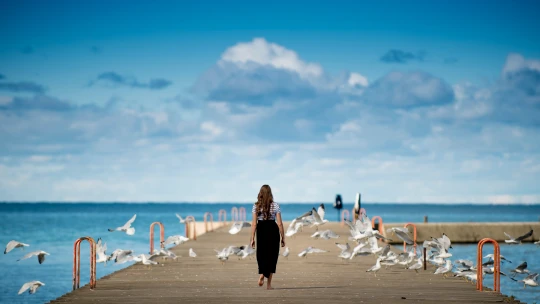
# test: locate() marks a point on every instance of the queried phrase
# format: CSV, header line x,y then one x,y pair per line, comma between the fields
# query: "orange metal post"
x,y
224,213
206,222
343,213
414,237
380,223
77,262
191,220
496,265
234,214
242,213
161,235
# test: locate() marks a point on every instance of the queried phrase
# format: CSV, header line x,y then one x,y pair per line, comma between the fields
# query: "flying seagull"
x,y
40,255
237,226
530,280
182,220
32,285
14,244
101,252
402,233
127,227
518,239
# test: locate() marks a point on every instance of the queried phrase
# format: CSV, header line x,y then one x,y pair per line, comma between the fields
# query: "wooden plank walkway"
x,y
319,278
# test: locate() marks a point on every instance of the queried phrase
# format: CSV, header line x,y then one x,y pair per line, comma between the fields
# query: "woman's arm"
x,y
280,225
253,229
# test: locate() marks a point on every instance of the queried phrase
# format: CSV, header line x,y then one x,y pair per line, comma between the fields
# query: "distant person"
x,y
265,213
338,204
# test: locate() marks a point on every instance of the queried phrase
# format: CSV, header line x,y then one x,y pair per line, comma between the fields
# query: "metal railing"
x,y
189,221
242,214
496,265
381,230
77,262
206,222
414,238
161,235
234,214
345,213
224,213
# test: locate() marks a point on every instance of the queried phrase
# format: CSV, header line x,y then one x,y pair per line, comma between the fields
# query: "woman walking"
x,y
265,213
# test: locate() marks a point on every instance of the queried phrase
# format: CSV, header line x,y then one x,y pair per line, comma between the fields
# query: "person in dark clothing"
x,y
338,204
265,214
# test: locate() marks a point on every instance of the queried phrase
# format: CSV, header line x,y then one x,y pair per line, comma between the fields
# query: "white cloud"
x,y
357,79
265,53
516,62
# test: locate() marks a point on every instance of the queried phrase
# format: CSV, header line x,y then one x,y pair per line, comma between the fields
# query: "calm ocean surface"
x,y
54,227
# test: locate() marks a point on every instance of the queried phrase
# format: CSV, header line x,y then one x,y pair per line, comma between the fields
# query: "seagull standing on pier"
x,y
192,253
127,227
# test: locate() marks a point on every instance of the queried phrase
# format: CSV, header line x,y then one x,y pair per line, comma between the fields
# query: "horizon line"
x,y
211,202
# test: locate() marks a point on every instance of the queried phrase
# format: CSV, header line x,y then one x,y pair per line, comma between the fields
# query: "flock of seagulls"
x,y
31,286
118,256
362,235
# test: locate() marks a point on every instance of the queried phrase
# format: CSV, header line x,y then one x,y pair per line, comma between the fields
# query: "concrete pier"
x,y
319,278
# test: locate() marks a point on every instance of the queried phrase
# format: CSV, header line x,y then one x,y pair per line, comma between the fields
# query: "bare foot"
x,y
261,281
269,288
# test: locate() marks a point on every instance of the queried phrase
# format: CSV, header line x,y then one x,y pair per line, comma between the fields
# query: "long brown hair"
x,y
264,201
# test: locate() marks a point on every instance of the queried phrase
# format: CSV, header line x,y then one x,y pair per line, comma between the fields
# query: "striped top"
x,y
274,209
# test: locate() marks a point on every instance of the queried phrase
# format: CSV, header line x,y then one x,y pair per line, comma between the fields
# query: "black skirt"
x,y
268,240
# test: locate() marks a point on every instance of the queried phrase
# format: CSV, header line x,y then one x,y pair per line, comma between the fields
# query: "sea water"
x,y
53,227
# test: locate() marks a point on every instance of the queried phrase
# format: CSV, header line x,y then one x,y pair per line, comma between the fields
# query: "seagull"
x,y
127,227
286,252
530,280
182,221
309,250
490,256
444,269
522,268
317,218
467,264
246,252
40,255
402,233
147,261
537,243
192,253
343,247
175,239
237,226
375,267
32,285
418,265
326,234
518,239
321,211
119,256
224,254
14,244
293,228
101,252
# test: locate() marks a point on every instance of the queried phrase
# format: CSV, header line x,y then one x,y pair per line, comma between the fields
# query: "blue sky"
x,y
424,101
